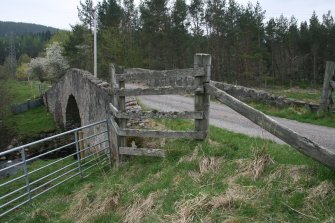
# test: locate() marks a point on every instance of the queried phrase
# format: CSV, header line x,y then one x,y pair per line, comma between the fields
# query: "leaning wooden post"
x,y
122,140
201,97
113,135
325,103
113,84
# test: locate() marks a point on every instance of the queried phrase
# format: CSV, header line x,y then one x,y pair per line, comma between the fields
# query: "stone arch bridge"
x,y
78,99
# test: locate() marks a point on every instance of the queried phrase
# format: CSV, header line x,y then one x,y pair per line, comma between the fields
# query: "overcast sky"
x,y
62,13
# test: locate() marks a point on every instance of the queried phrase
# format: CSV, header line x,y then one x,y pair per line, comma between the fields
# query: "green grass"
x,y
295,113
200,181
298,114
307,95
31,122
23,90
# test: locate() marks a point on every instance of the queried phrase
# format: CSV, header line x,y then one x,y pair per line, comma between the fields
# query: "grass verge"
x,y
228,177
307,95
298,114
31,122
23,90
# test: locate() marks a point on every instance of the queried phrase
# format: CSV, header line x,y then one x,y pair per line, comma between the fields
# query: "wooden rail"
x,y
301,143
143,74
156,114
156,91
161,134
141,152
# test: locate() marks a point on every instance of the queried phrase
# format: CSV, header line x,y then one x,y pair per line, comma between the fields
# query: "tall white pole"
x,y
95,43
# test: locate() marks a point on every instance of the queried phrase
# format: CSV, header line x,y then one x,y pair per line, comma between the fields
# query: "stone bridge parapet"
x,y
78,88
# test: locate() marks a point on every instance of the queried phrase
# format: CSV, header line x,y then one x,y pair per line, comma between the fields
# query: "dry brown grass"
x,y
186,208
40,212
213,143
140,208
88,205
255,167
290,174
190,158
208,164
321,191
235,194
151,124
330,220
260,161
231,220
298,172
177,180
195,175
244,193
279,173
221,201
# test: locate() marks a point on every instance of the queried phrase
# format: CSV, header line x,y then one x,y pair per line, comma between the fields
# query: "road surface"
x,y
224,117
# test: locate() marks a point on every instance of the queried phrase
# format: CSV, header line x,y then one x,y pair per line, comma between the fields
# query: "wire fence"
x,y
29,175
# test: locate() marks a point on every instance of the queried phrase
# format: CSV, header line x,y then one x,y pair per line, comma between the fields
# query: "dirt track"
x,y
224,117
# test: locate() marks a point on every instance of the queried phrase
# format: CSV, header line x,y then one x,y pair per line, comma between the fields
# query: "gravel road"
x,y
224,117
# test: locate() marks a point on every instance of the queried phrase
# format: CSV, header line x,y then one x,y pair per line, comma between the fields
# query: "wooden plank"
x,y
142,152
160,114
301,143
143,74
115,126
113,129
155,91
161,134
332,83
325,103
114,84
114,110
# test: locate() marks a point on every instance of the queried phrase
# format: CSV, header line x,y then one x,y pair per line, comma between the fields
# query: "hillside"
x,y
28,38
6,28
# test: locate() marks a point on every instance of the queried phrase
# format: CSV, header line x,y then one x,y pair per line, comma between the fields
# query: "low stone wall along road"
x,y
224,117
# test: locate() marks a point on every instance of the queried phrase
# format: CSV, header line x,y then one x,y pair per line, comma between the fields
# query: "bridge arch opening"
x,y
72,115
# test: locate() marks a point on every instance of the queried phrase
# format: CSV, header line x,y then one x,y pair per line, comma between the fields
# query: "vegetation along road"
x,y
224,117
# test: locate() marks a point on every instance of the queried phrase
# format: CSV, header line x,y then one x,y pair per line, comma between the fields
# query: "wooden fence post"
x,y
325,103
201,97
113,84
115,101
122,140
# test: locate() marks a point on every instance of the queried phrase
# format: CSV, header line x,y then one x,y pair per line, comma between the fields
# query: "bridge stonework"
x,y
90,94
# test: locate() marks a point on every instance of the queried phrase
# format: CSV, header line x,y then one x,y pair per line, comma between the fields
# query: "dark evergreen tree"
x,y
86,13
179,50
155,26
245,49
78,48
